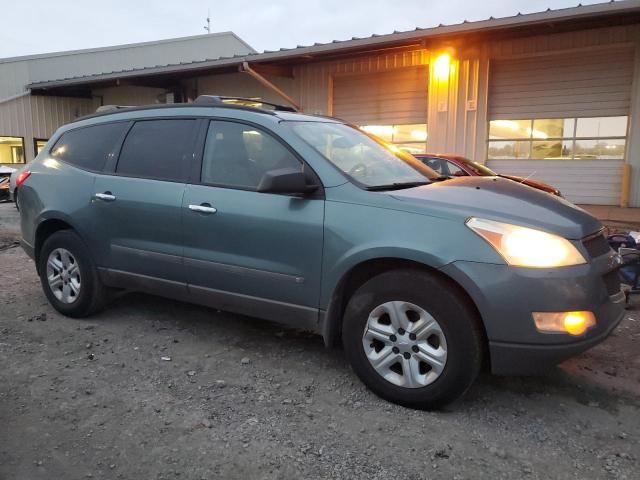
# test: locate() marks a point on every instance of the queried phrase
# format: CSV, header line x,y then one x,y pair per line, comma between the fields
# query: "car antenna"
x,y
527,178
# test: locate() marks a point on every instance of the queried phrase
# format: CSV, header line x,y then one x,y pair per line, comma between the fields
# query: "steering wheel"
x,y
359,169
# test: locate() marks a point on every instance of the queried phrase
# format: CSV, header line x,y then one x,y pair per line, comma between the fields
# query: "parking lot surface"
x,y
157,389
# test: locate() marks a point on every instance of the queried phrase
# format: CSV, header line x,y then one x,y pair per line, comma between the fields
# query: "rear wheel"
x,y
68,276
412,338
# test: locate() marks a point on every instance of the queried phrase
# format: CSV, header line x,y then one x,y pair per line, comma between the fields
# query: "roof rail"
x,y
110,108
219,100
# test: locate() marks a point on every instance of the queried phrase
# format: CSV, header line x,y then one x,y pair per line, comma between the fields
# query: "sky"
x,y
40,26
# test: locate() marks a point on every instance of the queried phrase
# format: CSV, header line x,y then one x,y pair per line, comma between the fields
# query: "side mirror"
x,y
285,180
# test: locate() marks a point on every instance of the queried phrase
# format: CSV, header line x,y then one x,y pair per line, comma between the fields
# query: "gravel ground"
x,y
157,389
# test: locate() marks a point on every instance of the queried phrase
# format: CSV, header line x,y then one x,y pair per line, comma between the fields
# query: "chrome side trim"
x,y
238,270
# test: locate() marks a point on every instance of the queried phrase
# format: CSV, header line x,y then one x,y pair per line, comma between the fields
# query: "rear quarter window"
x,y
89,147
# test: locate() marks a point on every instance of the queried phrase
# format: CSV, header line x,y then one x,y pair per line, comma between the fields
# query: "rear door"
x,y
255,253
137,206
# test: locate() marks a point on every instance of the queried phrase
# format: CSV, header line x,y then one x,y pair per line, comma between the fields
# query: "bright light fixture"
x,y
527,247
441,66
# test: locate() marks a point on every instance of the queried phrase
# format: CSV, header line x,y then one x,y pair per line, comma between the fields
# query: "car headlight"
x,y
526,247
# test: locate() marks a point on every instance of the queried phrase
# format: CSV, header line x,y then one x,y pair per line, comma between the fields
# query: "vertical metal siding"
x,y
39,117
392,97
588,182
597,84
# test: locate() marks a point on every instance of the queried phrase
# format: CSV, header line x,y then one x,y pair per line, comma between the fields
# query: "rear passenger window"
x,y
88,147
158,149
238,155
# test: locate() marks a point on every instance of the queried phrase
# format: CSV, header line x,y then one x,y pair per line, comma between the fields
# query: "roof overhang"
x,y
581,17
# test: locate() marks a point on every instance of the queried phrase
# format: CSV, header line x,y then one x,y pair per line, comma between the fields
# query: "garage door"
x,y
563,120
392,105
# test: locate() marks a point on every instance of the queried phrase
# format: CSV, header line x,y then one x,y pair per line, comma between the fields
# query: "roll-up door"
x,y
392,103
563,119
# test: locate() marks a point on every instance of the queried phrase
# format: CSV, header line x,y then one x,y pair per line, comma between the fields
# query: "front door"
x,y
255,253
139,205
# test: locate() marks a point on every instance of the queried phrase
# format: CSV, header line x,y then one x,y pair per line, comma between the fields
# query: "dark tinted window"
x,y
158,149
239,155
89,147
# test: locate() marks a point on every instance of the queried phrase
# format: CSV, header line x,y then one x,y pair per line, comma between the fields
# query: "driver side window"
x,y
238,155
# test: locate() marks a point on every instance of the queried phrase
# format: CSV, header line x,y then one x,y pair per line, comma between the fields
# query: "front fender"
x,y
356,233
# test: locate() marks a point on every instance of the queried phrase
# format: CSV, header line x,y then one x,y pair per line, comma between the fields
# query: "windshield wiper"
x,y
396,186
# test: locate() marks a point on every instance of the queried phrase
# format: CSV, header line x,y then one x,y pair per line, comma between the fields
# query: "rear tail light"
x,y
21,177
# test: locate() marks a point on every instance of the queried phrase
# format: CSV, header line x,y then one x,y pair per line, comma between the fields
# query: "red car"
x,y
456,166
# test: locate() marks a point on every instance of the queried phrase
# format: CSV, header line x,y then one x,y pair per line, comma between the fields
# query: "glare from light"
x,y
393,148
419,135
510,124
51,163
537,134
441,66
379,130
575,323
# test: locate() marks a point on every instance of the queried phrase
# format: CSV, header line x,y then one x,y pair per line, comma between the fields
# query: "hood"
x,y
495,198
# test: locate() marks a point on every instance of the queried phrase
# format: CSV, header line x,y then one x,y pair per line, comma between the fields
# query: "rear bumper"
x,y
506,297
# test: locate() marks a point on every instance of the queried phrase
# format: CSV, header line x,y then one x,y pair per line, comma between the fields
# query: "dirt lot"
x,y
241,398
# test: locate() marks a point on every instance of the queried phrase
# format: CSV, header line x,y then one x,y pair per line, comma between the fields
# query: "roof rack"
x,y
218,100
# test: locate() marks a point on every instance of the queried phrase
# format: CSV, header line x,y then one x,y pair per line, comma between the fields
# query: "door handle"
x,y
204,208
106,196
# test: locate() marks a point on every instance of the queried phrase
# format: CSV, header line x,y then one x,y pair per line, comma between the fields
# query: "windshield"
x,y
365,159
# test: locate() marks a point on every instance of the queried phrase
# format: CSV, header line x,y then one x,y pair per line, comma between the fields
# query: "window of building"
x,y
558,138
39,144
411,138
238,155
88,147
158,149
11,150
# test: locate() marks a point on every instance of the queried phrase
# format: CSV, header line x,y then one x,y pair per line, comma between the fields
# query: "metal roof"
x,y
125,46
580,12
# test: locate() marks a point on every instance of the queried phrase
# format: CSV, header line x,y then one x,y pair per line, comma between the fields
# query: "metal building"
x,y
553,95
28,118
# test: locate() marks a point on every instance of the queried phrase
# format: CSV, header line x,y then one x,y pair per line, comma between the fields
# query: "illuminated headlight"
x,y
526,247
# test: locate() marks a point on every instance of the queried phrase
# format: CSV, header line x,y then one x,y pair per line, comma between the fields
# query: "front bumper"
x,y
506,297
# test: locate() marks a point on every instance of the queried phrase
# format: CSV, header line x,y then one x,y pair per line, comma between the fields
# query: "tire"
x,y
454,345
90,294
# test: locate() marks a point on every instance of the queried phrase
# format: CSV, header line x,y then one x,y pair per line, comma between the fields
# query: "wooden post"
x,y
626,185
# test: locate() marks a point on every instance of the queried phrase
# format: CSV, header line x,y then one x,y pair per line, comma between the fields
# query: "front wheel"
x,y
68,276
413,338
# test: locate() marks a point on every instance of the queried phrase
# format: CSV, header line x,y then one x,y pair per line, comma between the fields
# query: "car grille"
x,y
612,282
596,245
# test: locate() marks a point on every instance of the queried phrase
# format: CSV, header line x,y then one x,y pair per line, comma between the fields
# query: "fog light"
x,y
573,323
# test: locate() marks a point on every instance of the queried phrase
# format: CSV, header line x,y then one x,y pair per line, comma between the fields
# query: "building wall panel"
x,y
589,182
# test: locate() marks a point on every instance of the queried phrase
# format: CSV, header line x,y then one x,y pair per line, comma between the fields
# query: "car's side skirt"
x,y
299,316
